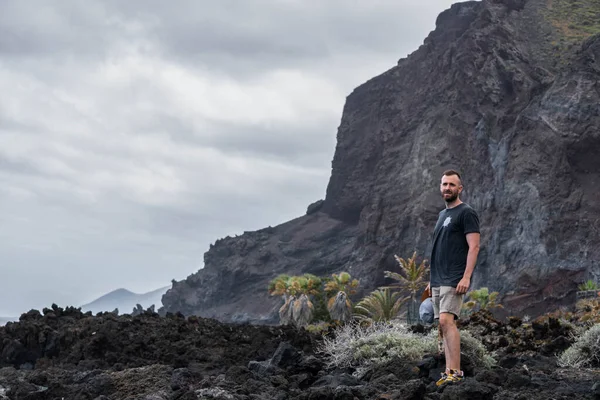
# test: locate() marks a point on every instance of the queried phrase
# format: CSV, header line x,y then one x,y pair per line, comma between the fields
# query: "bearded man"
x,y
453,258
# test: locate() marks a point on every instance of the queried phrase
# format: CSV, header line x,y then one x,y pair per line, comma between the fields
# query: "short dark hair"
x,y
450,172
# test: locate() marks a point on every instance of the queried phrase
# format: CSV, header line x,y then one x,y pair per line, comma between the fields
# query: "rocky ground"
x,y
66,354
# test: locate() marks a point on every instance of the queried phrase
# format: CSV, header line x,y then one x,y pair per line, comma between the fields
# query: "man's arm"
x,y
473,242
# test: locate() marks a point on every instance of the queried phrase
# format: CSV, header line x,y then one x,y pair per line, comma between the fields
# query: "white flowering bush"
x,y
380,343
355,345
585,352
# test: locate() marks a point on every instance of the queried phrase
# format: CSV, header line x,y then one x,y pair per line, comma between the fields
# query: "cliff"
x,y
507,92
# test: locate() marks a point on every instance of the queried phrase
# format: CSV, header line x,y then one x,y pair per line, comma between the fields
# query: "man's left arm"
x,y
465,282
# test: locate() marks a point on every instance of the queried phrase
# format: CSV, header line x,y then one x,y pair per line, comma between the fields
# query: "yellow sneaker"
x,y
453,376
442,380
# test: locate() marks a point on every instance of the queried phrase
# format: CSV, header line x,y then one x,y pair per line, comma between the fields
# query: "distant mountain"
x,y
125,301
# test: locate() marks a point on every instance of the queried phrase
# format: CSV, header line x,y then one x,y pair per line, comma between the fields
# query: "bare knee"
x,y
447,321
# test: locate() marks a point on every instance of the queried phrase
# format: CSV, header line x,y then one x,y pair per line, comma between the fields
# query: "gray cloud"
x,y
134,134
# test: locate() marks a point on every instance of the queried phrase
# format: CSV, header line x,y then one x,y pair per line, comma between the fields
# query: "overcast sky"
x,y
135,133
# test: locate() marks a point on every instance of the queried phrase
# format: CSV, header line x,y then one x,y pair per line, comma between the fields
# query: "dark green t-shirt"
x,y
450,247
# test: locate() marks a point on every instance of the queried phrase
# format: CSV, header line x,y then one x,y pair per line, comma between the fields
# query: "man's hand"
x,y
463,286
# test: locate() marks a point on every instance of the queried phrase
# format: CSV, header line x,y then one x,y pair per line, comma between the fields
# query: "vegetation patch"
x,y
480,299
380,305
354,345
358,346
475,350
585,352
316,303
576,20
588,285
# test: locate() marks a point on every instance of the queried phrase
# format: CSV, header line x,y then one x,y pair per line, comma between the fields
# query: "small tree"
x,y
295,291
380,305
302,311
286,310
279,286
413,278
342,282
306,284
481,299
339,288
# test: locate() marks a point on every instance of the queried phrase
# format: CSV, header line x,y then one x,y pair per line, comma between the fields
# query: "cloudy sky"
x,y
134,134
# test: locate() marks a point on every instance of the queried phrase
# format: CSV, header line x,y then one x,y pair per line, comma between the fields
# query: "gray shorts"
x,y
445,300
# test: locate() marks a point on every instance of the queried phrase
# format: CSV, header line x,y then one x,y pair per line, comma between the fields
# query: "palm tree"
x,y
340,307
282,286
414,276
380,305
413,279
310,284
305,286
340,287
279,286
292,288
302,311
285,312
342,282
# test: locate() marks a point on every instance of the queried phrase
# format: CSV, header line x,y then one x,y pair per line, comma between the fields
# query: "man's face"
x,y
450,188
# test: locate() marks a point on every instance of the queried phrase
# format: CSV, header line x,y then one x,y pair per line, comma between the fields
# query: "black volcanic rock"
x,y
314,207
489,93
151,357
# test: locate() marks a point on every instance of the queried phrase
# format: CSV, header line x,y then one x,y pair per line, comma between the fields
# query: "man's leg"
x,y
435,300
451,341
450,307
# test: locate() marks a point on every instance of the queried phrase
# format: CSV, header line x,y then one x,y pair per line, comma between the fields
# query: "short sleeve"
x,y
470,221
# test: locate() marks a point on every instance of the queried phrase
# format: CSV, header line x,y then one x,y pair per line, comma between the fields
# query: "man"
x,y
453,259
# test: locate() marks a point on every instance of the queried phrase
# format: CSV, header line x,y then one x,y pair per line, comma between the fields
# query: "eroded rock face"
x,y
487,94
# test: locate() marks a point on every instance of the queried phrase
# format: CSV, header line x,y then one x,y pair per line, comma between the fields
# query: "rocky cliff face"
x,y
501,91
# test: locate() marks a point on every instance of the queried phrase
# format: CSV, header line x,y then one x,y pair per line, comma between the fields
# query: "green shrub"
x,y
481,299
589,285
319,327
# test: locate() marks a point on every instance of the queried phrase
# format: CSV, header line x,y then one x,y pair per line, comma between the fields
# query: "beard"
x,y
451,198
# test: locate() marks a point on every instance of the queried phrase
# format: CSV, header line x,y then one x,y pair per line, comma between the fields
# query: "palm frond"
x,y
380,305
342,282
313,284
412,276
279,285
